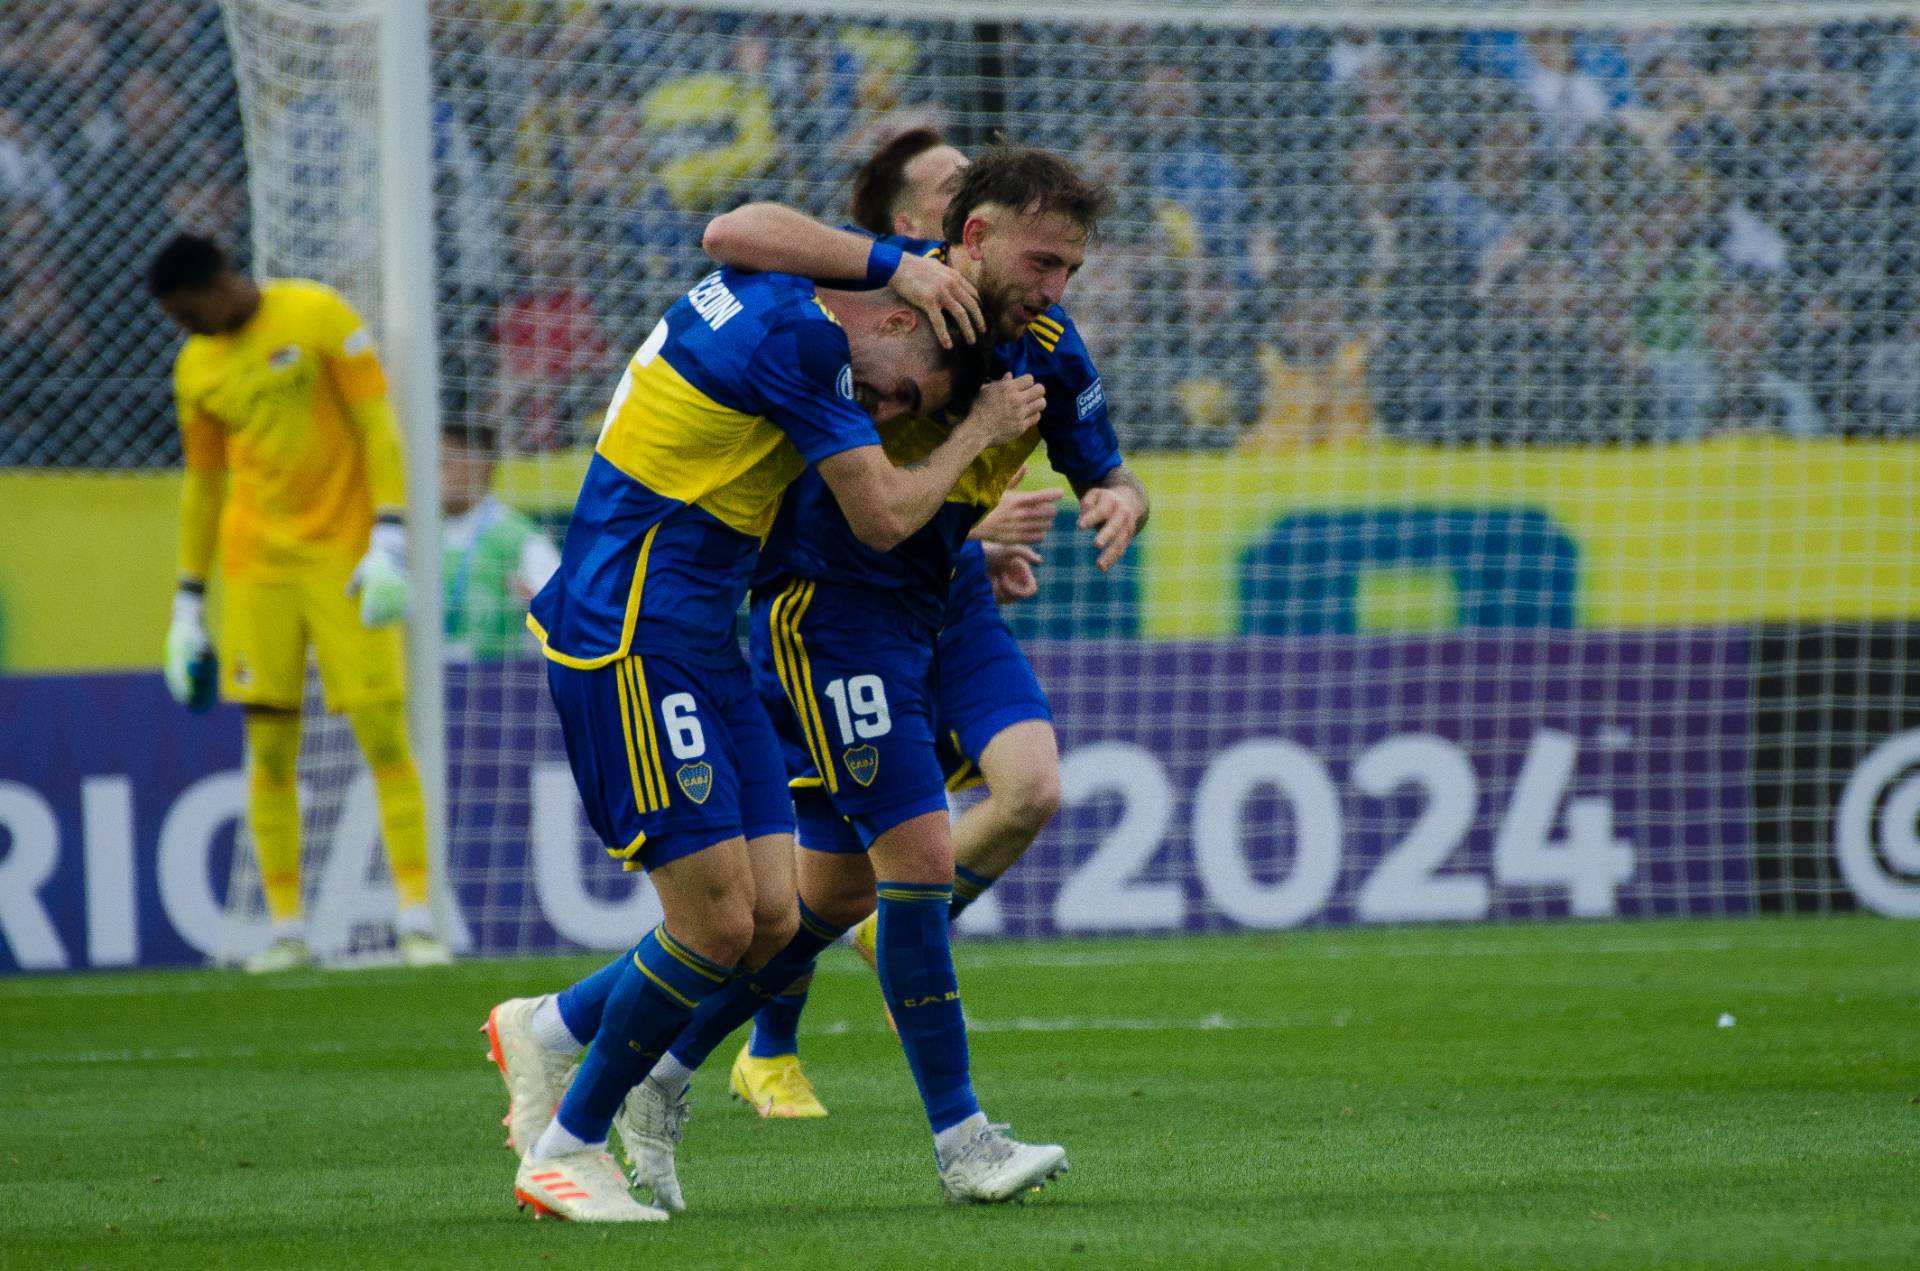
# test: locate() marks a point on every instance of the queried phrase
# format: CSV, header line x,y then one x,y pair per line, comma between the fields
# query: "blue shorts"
x,y
848,681
983,682
669,757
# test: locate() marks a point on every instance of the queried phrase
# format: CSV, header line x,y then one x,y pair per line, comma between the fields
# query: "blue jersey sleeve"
x,y
1081,444
803,376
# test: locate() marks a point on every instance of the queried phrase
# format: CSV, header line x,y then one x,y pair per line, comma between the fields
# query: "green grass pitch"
x,y
1526,1096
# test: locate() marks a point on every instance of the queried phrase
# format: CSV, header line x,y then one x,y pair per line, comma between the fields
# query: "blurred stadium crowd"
x,y
1446,236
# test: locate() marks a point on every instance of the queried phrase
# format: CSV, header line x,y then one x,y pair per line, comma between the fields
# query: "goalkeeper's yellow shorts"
x,y
266,628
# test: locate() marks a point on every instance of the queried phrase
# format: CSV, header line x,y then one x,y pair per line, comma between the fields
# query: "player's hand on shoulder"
x,y
380,579
939,291
1021,516
1007,408
1010,570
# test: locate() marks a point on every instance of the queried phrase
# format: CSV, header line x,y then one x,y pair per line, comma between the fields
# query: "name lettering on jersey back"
x,y
712,301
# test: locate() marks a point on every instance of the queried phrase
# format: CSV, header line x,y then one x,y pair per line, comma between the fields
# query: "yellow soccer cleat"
x,y
774,1087
866,941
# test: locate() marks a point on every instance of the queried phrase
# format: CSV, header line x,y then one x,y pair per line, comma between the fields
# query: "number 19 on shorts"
x,y
860,708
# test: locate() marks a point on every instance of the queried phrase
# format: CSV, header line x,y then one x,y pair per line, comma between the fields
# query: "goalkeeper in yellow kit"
x,y
293,465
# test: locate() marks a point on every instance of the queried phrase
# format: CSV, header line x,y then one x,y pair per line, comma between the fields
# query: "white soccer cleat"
x,y
418,948
581,1187
651,1127
536,1077
289,953
990,1168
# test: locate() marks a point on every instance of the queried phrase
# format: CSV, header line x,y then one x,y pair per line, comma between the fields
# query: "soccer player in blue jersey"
x,y
992,723
747,381
843,643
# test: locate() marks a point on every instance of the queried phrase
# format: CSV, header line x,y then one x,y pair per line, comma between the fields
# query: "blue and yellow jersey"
x,y
745,382
811,538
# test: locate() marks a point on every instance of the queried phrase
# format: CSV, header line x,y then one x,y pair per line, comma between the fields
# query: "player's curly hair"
x,y
1027,180
186,262
881,180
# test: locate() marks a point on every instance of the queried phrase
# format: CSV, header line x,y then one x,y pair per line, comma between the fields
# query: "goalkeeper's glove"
x,y
191,673
380,579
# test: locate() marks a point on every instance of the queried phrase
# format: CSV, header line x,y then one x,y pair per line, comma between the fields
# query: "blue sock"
x,y
660,986
776,1028
967,888
916,975
748,991
582,1004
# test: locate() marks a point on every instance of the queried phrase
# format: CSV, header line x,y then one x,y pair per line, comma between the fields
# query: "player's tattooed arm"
x,y
774,238
1116,508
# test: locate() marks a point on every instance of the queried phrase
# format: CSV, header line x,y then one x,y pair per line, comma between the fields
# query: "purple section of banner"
x,y
1659,724
1209,785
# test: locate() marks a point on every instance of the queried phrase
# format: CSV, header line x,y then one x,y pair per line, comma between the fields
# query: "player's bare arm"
x,y
1116,507
774,238
885,504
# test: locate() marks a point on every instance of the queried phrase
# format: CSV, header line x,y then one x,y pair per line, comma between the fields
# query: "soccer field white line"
x,y
985,953
832,1028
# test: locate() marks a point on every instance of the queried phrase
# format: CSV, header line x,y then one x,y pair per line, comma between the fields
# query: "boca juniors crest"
x,y
696,780
863,764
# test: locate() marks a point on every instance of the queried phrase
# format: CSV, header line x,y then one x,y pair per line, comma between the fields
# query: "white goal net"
x,y
1529,395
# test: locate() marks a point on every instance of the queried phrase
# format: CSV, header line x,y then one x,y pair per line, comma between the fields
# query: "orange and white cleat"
x,y
536,1077
581,1187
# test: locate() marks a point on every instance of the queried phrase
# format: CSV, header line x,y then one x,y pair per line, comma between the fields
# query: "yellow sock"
x,y
382,730
273,807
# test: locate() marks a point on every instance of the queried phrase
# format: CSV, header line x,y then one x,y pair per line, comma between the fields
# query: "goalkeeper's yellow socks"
x,y
916,977
968,886
273,810
382,730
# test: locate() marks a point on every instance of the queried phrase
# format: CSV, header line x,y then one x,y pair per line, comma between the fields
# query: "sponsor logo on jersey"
x,y
844,385
696,780
1092,399
863,763
712,301
281,358
242,673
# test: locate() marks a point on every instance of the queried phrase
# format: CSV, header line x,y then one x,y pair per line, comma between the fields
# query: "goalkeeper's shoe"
x,y
380,579
580,1187
775,1087
865,939
421,948
536,1077
991,1167
289,953
651,1127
